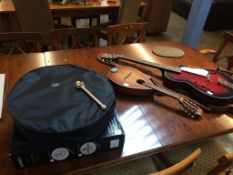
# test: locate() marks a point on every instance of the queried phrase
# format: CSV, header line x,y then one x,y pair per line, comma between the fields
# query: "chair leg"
x,y
58,20
98,20
73,22
158,164
161,162
90,21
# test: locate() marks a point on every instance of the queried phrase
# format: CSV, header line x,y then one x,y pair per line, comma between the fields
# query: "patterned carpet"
x,y
137,167
211,150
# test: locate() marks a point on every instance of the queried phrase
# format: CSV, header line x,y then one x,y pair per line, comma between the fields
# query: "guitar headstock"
x,y
191,108
108,57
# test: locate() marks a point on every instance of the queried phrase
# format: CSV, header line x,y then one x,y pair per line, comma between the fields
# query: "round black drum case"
x,y
47,105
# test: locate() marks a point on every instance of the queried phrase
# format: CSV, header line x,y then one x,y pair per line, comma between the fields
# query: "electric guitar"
x,y
207,86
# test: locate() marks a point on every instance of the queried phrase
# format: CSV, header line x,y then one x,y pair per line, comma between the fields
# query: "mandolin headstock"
x,y
108,58
191,108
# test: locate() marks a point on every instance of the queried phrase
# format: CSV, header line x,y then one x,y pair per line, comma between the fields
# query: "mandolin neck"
x,y
163,90
155,65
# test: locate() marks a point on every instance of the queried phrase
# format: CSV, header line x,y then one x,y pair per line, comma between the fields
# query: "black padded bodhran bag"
x,y
47,106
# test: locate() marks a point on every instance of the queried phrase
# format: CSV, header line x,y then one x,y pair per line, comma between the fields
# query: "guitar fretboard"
x,y
225,83
155,65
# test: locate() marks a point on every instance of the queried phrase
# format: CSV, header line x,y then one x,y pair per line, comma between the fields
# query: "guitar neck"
x,y
155,65
225,83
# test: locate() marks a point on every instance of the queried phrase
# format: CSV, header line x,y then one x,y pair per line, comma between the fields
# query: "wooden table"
x,y
92,8
98,6
152,124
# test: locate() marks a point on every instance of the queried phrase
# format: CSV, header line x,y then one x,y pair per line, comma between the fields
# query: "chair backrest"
x,y
224,167
19,42
126,33
76,37
35,16
182,166
227,38
129,11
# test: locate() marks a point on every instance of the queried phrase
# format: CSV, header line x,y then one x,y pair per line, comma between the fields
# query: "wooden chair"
x,y
219,55
77,37
158,13
128,13
182,166
35,16
224,167
5,25
19,42
126,33
207,164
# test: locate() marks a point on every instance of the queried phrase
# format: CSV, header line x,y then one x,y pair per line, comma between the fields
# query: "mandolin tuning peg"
x,y
114,69
192,111
193,116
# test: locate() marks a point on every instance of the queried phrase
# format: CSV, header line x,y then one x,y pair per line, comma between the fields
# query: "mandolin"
x,y
131,81
124,80
210,87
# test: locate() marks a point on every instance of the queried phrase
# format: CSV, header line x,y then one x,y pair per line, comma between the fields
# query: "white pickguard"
x,y
196,71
